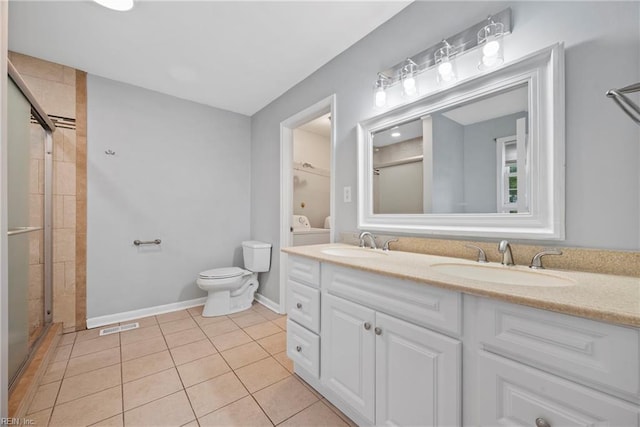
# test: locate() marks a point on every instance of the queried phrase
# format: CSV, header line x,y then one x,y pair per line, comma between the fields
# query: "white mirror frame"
x,y
543,72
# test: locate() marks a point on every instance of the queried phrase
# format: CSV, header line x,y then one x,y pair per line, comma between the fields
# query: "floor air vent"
x,y
121,328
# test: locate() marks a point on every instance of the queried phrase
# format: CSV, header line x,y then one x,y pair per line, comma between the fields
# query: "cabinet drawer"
x,y
415,302
304,270
516,395
303,305
303,347
582,350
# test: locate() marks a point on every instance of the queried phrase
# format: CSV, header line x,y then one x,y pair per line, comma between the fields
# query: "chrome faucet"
x,y
482,257
536,262
371,238
505,249
385,246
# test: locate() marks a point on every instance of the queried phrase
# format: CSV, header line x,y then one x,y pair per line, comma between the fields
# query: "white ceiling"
x,y
234,55
503,104
320,126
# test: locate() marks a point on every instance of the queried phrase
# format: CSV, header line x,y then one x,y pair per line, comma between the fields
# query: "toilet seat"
x,y
223,273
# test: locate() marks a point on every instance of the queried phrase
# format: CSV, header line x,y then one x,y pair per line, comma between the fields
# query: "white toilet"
x,y
231,289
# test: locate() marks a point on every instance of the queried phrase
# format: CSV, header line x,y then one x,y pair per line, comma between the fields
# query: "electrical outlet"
x,y
347,194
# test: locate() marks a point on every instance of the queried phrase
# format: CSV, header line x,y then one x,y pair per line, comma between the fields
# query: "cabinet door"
x,y
418,375
347,362
512,394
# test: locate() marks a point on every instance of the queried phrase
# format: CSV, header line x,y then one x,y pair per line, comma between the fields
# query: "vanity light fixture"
x,y
119,5
408,77
490,38
380,91
441,60
445,61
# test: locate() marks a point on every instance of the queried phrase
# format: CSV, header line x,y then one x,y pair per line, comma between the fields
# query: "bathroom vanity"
x,y
393,338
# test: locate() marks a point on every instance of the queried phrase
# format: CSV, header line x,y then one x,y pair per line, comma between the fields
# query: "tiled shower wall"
x,y
54,86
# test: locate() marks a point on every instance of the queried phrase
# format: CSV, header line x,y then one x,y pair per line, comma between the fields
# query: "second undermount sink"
x,y
501,274
354,252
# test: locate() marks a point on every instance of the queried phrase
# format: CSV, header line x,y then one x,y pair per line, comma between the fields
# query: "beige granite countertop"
x,y
613,299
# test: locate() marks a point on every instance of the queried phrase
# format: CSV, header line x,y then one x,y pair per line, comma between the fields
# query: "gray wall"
x,y
448,164
602,149
480,187
181,174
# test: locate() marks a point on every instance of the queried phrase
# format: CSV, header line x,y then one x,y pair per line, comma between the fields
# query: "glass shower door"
x,y
25,205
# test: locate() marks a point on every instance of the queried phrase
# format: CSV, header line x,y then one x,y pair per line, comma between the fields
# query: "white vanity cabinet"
x,y
378,353
536,367
388,351
303,309
391,371
348,353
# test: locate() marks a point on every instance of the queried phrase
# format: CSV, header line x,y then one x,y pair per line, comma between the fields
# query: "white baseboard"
x,y
109,319
275,307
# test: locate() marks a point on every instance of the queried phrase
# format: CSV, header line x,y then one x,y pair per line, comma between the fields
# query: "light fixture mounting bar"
x,y
461,42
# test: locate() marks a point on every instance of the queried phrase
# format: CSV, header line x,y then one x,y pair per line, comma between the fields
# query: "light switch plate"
x,y
347,194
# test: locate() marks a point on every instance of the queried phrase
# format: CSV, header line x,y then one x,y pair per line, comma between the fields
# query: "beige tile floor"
x,y
181,369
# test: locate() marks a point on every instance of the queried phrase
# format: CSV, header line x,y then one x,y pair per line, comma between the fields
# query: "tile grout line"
x,y
292,415
89,394
239,380
53,406
193,317
55,401
336,411
232,371
175,366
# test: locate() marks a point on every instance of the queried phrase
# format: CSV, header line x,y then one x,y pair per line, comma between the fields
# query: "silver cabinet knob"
x,y
378,331
541,422
298,348
367,326
298,305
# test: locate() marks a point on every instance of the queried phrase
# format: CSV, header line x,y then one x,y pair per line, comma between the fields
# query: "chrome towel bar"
x,y
147,242
627,105
22,230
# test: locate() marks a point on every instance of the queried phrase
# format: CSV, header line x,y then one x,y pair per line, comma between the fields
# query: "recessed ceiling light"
x,y
395,134
119,5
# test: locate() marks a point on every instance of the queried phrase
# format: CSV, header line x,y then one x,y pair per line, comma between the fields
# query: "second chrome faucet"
x,y
372,239
505,249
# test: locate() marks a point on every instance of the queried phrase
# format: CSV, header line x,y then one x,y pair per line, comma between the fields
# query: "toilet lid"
x,y
222,273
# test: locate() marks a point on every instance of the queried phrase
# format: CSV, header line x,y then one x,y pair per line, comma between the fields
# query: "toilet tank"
x,y
257,255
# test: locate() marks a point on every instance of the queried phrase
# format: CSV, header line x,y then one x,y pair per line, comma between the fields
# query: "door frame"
x,y
326,105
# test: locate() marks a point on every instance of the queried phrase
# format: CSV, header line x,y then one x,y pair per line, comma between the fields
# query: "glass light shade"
x,y
492,51
408,77
380,91
380,97
445,65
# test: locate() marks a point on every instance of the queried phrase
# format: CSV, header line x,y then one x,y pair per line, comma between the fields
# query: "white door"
x,y
348,353
418,375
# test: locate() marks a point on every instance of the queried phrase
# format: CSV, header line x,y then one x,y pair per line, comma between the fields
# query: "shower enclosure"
x,y
29,213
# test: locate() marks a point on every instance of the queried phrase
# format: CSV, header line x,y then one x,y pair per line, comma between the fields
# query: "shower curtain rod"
x,y
36,108
623,101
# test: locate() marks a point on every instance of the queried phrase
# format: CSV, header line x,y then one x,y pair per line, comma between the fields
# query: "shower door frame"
x,y
49,127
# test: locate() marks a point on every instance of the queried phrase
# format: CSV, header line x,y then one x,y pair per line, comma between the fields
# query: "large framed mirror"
x,y
483,158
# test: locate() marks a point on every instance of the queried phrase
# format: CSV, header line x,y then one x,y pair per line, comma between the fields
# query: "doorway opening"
x,y
307,146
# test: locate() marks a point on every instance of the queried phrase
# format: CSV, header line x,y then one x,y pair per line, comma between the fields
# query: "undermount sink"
x,y
502,274
353,252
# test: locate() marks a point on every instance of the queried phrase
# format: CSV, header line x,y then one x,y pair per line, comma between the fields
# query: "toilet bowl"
x,y
231,289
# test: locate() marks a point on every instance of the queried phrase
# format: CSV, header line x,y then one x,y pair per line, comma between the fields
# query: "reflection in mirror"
x,y
466,158
483,157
